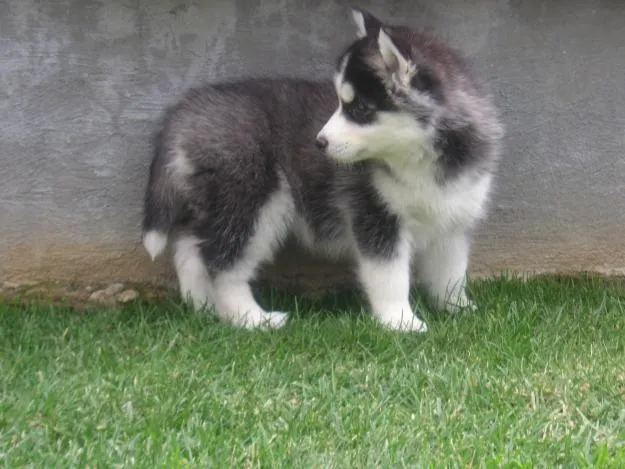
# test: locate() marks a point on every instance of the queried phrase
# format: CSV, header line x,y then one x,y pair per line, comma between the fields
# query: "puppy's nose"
x,y
321,143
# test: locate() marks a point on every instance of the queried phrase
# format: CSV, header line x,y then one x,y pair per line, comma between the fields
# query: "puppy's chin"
x,y
343,153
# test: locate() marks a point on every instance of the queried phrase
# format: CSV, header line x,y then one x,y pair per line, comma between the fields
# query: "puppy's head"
x,y
387,94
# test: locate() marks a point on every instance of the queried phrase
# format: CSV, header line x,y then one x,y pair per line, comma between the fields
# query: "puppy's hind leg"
x,y
229,293
234,301
193,279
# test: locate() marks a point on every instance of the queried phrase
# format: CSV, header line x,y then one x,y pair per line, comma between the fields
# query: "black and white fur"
x,y
400,170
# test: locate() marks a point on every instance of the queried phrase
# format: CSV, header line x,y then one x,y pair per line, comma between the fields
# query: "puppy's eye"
x,y
360,111
364,109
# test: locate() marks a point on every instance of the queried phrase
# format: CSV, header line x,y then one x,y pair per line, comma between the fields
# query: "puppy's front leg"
x,y
443,267
386,281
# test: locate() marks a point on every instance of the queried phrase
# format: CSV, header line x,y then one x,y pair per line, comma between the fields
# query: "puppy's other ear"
x,y
366,23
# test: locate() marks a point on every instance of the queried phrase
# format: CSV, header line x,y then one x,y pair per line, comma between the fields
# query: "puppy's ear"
x,y
366,23
396,62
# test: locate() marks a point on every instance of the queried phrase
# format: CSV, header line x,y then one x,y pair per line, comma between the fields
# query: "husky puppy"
x,y
401,169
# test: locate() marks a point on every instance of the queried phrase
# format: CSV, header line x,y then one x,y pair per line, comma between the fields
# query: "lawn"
x,y
534,378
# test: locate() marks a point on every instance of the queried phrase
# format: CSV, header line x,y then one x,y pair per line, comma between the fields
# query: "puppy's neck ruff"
x,y
412,189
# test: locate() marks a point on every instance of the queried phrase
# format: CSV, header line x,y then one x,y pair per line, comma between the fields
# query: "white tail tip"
x,y
155,243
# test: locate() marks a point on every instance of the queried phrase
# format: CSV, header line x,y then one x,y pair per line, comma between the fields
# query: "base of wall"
x,y
105,264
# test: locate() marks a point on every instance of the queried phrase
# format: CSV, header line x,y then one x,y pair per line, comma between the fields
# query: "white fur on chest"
x,y
429,208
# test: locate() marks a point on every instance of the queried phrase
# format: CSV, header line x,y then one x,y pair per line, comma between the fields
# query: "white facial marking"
x,y
392,136
343,88
338,79
346,92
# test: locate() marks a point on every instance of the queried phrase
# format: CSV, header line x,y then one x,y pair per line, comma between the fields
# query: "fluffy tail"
x,y
161,206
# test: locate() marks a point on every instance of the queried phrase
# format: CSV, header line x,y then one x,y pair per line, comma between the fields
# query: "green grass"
x,y
534,378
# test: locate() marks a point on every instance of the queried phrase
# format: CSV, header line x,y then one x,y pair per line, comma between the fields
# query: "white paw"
x,y
403,322
262,320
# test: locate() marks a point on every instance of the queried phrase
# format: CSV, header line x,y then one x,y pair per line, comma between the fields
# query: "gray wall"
x,y
81,83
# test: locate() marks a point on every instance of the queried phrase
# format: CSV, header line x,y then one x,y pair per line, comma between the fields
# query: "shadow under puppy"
x,y
391,160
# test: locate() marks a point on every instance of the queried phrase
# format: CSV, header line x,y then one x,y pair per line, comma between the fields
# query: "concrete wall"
x,y
82,81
